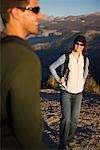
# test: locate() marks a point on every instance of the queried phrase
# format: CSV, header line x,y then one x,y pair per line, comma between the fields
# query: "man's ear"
x,y
15,13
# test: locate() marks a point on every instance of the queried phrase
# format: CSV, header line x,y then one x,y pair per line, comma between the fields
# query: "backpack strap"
x,y
84,61
64,67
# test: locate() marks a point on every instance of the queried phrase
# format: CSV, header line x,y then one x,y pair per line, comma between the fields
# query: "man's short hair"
x,y
7,5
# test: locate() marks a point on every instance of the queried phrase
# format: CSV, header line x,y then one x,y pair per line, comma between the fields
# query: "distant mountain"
x,y
90,21
57,35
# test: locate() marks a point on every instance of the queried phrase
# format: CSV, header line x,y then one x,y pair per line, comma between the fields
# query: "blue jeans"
x,y
70,106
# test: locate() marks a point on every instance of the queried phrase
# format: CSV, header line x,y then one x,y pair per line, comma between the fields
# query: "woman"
x,y
73,85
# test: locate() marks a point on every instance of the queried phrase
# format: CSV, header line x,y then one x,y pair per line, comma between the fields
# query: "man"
x,y
21,76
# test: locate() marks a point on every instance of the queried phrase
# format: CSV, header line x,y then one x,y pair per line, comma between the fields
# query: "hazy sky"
x,y
69,7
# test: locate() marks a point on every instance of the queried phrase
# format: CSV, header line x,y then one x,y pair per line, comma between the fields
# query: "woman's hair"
x,y
79,38
7,5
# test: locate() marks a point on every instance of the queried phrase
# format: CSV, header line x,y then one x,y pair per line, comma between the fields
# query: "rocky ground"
x,y
87,135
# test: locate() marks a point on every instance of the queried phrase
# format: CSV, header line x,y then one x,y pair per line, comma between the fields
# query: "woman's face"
x,y
79,46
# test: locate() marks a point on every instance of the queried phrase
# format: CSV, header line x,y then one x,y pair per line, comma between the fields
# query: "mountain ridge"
x,y
56,37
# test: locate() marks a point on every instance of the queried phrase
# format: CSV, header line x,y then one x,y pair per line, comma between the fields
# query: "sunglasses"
x,y
79,44
34,9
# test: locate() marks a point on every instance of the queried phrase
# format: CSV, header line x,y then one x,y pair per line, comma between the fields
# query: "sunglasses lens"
x,y
36,10
79,44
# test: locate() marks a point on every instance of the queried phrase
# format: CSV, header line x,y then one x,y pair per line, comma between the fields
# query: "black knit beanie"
x,y
80,38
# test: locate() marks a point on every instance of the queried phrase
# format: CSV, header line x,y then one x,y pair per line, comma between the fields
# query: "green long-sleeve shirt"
x,y
20,88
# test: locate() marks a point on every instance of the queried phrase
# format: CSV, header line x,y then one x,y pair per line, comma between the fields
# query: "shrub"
x,y
51,82
91,85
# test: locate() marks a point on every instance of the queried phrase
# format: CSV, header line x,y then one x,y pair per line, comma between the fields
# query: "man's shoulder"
x,y
11,40
14,44
18,48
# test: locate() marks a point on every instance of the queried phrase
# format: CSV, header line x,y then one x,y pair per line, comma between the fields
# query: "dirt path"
x,y
87,135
